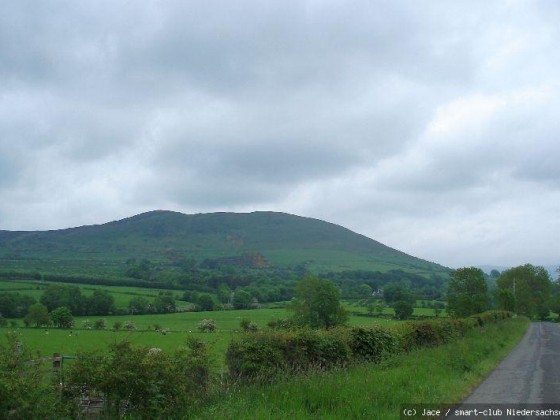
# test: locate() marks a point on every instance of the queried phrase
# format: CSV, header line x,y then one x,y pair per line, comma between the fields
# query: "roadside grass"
x,y
441,375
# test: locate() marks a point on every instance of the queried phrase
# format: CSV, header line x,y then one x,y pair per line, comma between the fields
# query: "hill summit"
x,y
270,238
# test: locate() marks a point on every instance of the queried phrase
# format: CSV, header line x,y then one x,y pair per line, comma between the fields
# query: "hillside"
x,y
275,239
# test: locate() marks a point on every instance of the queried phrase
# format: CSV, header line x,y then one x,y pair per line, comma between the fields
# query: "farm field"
x,y
121,294
179,326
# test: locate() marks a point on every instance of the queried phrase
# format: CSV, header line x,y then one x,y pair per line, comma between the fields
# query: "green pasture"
x,y
121,294
178,326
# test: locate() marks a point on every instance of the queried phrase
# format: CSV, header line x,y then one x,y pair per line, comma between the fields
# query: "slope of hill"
x,y
283,240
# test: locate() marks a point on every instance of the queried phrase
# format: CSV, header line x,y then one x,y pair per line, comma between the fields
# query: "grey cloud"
x,y
398,119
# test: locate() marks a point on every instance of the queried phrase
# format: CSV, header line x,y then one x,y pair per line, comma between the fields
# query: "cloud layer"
x,y
430,127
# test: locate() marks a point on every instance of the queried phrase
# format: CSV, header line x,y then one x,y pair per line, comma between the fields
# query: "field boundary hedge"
x,y
264,354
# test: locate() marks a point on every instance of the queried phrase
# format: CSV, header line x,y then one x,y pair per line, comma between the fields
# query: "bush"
x,y
373,344
23,391
140,382
266,353
248,326
207,325
100,324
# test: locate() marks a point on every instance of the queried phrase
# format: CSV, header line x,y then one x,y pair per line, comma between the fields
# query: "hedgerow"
x,y
266,353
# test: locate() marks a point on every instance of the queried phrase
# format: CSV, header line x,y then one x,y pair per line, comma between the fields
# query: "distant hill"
x,y
270,239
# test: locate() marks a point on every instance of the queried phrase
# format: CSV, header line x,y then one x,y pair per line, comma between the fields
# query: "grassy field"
x,y
441,375
47,341
121,294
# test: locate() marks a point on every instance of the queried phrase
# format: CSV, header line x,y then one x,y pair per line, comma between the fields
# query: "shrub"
x,y
255,355
100,324
207,325
23,391
373,344
281,324
248,326
140,382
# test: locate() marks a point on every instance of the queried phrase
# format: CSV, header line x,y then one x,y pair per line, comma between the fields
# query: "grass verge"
x,y
440,375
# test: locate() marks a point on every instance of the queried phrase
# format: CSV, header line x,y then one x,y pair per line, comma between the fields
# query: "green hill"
x,y
267,238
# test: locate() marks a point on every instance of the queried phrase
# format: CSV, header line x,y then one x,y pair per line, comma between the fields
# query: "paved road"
x,y
530,374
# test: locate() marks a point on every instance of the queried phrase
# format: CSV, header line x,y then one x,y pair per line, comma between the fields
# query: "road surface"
x,y
530,374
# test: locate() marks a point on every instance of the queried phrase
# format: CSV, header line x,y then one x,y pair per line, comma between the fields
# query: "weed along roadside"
x,y
277,372
420,372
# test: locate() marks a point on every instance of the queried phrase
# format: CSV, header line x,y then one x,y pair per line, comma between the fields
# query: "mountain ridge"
x,y
283,239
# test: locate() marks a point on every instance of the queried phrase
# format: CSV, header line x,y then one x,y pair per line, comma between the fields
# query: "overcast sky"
x,y
432,126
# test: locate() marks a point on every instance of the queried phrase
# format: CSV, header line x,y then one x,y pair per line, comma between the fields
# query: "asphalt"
x,y
529,375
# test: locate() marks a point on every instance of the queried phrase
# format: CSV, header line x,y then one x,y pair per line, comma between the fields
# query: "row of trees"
x,y
527,290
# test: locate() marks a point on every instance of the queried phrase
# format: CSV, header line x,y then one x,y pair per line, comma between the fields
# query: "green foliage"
x,y
403,309
139,305
373,344
264,354
467,292
372,391
100,324
141,382
205,302
100,303
248,326
14,305
24,393
37,315
56,296
165,303
207,325
62,317
317,304
397,292
506,300
242,299
532,291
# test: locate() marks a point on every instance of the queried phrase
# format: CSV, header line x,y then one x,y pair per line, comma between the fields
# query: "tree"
x,y
506,300
37,315
139,305
395,292
403,309
531,288
242,299
467,293
205,302
317,304
62,317
224,293
57,296
438,308
165,303
100,303
15,305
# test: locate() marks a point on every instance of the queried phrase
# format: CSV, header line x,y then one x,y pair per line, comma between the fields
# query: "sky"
x,y
432,127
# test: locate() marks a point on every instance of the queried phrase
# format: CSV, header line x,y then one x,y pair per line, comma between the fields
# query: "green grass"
x,y
47,341
442,375
121,294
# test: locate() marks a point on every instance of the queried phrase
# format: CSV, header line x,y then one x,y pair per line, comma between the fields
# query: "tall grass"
x,y
439,375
